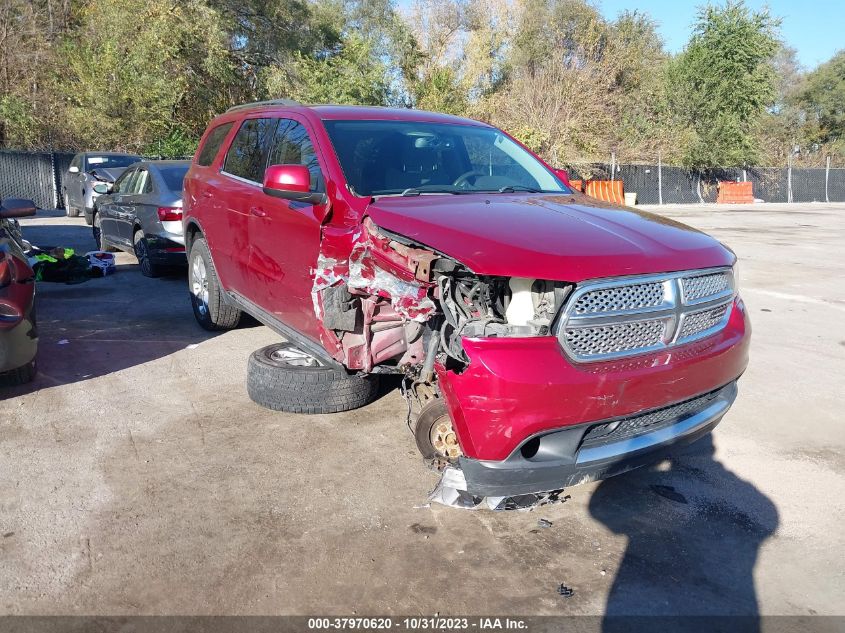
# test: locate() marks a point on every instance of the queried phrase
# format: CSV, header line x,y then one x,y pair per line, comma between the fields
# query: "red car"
x,y
18,332
544,338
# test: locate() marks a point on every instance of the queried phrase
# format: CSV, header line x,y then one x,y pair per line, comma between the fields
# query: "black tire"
x,y
19,376
210,308
432,415
274,383
98,235
142,252
70,211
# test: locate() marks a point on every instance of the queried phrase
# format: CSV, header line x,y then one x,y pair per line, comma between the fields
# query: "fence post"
x,y
826,177
789,177
612,165
659,178
54,179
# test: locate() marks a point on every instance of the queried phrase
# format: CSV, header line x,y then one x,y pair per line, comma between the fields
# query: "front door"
x,y
284,237
240,190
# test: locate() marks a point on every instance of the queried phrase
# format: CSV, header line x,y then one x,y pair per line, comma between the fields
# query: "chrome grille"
x,y
703,286
621,317
697,322
621,298
609,339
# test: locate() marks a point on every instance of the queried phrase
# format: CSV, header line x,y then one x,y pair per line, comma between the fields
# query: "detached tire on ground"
x,y
282,378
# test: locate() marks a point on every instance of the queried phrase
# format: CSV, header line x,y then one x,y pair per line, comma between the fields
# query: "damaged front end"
x,y
394,306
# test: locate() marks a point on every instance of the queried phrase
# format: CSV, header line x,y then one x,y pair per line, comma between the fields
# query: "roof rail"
x,y
281,102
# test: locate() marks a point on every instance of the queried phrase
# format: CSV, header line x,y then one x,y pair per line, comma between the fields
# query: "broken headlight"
x,y
478,306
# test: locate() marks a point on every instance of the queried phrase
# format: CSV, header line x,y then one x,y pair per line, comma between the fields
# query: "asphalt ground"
x,y
136,476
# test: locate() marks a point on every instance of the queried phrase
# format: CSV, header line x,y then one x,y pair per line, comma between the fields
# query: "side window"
x,y
247,157
143,183
292,146
77,161
212,144
124,183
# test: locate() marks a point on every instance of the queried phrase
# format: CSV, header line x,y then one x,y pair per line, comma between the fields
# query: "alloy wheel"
x,y
199,284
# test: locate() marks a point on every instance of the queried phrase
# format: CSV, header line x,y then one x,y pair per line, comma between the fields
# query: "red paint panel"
x,y
548,236
516,387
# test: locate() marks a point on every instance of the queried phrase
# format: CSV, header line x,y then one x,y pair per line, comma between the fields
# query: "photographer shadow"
x,y
694,532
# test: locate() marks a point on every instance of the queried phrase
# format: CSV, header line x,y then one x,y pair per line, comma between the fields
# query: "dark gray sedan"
x,y
142,214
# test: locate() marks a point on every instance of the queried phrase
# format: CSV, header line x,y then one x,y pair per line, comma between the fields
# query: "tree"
x,y
822,99
134,84
723,81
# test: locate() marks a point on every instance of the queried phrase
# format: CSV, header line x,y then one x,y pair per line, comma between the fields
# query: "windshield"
x,y
174,176
413,158
111,161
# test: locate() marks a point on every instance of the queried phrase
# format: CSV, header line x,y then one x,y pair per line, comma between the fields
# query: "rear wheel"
x,y
210,308
142,252
98,235
19,376
284,378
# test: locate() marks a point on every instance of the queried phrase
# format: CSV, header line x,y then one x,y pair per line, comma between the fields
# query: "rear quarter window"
x,y
212,144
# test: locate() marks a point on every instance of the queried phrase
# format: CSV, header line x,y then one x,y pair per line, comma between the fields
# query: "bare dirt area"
x,y
136,476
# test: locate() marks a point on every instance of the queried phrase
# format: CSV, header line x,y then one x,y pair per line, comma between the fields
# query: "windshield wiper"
x,y
515,188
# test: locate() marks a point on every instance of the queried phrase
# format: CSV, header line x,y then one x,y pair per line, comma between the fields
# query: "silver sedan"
x,y
141,213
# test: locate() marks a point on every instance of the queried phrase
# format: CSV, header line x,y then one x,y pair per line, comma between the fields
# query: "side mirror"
x,y
291,182
16,208
73,169
563,175
102,187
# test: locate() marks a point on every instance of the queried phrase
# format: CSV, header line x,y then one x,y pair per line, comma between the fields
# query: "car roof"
x,y
164,163
109,154
347,112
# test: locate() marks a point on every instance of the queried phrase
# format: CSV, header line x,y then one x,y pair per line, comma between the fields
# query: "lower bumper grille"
x,y
645,422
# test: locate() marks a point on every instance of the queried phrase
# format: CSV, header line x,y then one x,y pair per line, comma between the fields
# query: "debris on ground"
x,y
451,491
63,265
544,523
565,591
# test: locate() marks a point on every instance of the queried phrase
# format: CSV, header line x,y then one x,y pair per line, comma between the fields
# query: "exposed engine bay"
x,y
397,307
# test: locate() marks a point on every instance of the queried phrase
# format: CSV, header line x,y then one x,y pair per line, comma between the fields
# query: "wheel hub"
x,y
294,357
444,439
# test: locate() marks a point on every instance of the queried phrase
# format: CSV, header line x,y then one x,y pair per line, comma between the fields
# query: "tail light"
x,y
5,270
170,214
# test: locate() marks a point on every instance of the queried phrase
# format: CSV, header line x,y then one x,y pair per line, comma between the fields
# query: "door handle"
x,y
258,212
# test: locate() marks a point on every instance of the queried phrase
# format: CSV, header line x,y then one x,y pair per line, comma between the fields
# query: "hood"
x,y
107,175
555,237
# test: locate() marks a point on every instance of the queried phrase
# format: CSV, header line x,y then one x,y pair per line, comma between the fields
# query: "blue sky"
x,y
813,28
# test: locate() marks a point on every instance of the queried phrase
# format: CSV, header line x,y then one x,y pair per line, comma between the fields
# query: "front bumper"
x,y
570,456
515,389
18,342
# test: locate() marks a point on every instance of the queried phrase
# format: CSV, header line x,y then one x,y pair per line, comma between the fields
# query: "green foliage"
x,y
350,74
822,97
18,125
148,75
723,82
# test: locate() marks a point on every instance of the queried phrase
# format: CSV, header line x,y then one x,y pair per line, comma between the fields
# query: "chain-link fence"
x,y
663,184
39,176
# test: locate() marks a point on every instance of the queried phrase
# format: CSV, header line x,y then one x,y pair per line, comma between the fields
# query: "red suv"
x,y
543,338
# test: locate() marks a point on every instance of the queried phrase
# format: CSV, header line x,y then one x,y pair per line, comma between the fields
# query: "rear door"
x,y
140,186
241,194
109,210
284,236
